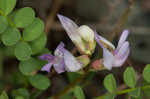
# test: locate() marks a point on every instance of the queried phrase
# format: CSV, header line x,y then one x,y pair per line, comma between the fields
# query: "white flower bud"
x,y
86,33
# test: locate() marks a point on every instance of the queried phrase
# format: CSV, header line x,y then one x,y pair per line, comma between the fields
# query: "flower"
x,y
62,61
83,36
114,57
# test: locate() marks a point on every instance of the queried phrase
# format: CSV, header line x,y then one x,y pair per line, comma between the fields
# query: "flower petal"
x,y
47,57
122,54
47,67
59,50
71,63
60,67
99,38
108,59
70,27
123,38
86,33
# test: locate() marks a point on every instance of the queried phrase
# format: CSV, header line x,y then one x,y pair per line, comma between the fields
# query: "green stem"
x,y
125,91
1,66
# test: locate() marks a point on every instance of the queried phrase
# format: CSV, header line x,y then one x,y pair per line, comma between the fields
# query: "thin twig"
x,y
50,19
123,20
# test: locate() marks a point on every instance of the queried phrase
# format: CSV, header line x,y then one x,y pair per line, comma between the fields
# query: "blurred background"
x,y
109,18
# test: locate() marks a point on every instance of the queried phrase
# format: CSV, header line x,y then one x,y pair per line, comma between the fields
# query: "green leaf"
x,y
3,24
23,51
73,76
7,6
19,97
27,67
146,93
110,83
78,92
109,96
39,81
135,93
38,44
11,36
21,92
24,17
34,30
129,77
4,95
146,73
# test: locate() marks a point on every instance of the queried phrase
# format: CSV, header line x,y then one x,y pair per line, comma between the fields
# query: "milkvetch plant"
x,y
22,37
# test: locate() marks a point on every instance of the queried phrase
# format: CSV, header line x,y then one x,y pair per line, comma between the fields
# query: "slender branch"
x,y
1,65
67,89
51,16
123,20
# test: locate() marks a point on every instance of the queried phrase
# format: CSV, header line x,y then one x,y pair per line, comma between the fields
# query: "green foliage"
x,y
78,92
129,77
11,36
146,73
3,95
23,51
110,83
17,78
135,93
73,75
109,96
19,97
38,44
27,67
6,6
22,92
24,17
39,81
3,24
34,30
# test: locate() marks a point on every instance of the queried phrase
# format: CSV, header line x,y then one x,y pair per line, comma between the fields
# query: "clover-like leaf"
x,y
38,44
24,17
78,92
39,81
4,95
3,24
129,77
6,6
21,92
27,67
11,36
110,83
146,73
34,30
23,51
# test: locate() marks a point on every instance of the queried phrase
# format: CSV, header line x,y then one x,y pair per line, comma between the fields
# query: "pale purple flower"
x,y
62,61
114,57
83,36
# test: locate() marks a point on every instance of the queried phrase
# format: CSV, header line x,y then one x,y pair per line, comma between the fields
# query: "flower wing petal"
x,y
99,38
108,59
122,54
59,50
47,57
123,38
47,67
71,63
60,67
70,27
